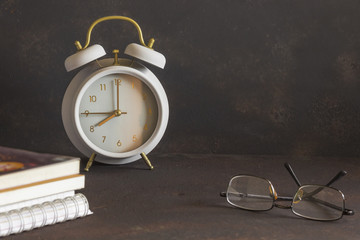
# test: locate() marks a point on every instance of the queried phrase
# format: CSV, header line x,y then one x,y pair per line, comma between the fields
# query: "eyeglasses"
x,y
315,202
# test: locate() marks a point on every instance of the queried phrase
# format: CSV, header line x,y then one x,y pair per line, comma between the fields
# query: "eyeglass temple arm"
x,y
337,177
223,194
348,212
334,179
292,173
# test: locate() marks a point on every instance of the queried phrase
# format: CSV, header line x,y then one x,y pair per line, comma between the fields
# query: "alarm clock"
x,y
115,110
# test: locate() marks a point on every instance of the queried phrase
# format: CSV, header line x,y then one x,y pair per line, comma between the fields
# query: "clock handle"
x,y
88,36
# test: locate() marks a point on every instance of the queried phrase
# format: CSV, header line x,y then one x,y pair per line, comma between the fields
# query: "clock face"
x,y
117,113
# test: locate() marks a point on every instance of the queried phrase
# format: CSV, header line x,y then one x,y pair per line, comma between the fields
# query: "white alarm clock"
x,y
115,111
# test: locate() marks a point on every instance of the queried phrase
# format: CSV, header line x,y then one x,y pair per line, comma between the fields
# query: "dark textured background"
x,y
242,77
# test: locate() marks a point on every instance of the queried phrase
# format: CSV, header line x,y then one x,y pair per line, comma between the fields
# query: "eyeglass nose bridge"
x,y
282,206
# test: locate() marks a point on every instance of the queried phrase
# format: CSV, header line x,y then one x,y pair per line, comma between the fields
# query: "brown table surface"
x,y
180,199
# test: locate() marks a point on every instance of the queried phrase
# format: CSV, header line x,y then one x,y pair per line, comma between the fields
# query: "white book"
x,y
19,167
41,189
47,213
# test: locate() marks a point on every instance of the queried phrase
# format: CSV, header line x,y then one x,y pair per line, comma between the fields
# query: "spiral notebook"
x,y
47,213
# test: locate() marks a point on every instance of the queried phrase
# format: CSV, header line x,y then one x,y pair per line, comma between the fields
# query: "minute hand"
x,y
106,113
117,95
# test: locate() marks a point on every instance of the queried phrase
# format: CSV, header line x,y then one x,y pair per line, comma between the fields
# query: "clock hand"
x,y
106,119
116,113
117,95
87,113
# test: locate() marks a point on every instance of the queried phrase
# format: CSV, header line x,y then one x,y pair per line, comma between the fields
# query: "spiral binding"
x,y
47,213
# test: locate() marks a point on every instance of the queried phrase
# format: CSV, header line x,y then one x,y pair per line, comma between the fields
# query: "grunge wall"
x,y
242,77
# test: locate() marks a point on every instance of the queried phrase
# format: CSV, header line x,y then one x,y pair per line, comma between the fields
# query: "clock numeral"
x,y
146,127
119,143
86,113
144,96
132,85
134,139
92,98
92,128
104,138
102,87
150,111
118,81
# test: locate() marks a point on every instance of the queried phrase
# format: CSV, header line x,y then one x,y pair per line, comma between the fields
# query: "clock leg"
x,y
147,161
90,162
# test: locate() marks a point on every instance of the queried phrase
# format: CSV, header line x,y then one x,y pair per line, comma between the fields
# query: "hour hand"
x,y
116,113
106,119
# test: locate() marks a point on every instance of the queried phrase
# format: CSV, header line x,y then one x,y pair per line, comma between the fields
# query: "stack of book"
x,y
38,189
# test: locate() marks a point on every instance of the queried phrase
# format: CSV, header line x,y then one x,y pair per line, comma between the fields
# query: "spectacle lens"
x,y
250,193
318,203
